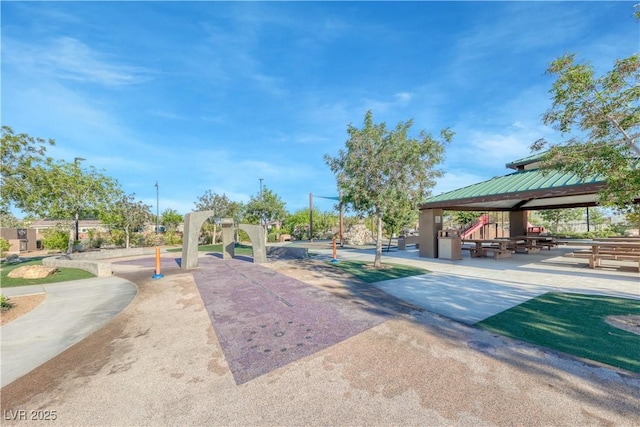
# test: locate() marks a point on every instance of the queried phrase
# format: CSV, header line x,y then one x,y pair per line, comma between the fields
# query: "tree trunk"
x,y
70,248
126,238
377,263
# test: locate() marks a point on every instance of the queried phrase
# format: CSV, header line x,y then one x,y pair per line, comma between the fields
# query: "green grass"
x,y
240,249
371,275
573,324
62,275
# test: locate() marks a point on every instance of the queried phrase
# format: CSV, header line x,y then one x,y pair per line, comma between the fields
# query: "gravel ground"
x,y
160,362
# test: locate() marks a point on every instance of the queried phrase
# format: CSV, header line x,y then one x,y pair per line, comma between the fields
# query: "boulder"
x,y
358,235
32,272
13,259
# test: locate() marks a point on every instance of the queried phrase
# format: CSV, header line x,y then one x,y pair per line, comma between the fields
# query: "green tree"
x,y
596,217
56,238
64,190
602,116
126,214
7,220
380,169
324,221
554,217
19,154
170,218
464,218
398,217
222,206
265,207
296,223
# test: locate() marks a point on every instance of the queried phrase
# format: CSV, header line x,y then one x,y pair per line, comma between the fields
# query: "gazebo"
x,y
527,188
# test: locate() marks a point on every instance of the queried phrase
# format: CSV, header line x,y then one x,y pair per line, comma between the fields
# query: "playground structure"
x,y
483,228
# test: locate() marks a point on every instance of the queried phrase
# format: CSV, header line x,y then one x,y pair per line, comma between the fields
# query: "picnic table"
x,y
608,250
498,248
535,243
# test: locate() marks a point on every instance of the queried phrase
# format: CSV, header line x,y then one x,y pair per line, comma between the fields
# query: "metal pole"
x,y
76,160
588,219
341,226
311,217
157,208
262,221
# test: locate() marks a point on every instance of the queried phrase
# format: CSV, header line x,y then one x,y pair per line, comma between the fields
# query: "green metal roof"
x,y
526,160
518,188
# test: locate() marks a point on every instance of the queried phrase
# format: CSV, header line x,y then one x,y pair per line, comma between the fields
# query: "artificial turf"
x,y
62,275
362,271
240,249
573,324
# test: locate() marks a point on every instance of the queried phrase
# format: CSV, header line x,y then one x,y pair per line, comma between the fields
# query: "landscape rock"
x,y
32,272
13,259
358,235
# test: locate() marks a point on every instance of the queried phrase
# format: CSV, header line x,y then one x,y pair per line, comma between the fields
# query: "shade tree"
x,y
380,169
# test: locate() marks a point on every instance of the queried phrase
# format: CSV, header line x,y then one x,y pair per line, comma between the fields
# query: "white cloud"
x,y
455,179
70,59
403,97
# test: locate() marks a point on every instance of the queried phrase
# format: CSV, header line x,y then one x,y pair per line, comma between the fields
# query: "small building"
x,y
84,226
20,239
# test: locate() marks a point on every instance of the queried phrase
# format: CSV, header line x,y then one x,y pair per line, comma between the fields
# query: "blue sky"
x,y
216,95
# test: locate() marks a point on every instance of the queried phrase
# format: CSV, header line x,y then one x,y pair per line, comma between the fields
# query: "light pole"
x,y
157,206
261,207
77,160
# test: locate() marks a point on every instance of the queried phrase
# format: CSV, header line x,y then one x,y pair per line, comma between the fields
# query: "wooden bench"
x,y
595,260
608,253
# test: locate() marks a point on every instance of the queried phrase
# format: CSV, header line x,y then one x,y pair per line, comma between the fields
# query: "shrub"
x,y
272,237
243,236
4,303
118,237
56,239
96,239
172,238
4,245
148,238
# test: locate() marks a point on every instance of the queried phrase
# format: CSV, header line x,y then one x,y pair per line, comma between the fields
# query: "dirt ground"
x,y
20,306
160,362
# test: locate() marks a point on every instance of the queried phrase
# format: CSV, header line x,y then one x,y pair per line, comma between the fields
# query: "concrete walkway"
x,y
472,289
70,312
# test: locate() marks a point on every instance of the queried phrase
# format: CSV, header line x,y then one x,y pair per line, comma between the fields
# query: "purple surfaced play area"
x,y
265,320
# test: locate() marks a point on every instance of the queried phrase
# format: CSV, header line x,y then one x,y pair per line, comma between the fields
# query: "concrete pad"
x,y
70,312
472,289
459,298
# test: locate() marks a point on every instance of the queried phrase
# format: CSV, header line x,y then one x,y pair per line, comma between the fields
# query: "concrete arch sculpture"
x,y
257,237
193,223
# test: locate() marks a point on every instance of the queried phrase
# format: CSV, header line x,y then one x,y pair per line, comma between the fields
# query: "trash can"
x,y
402,245
449,244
